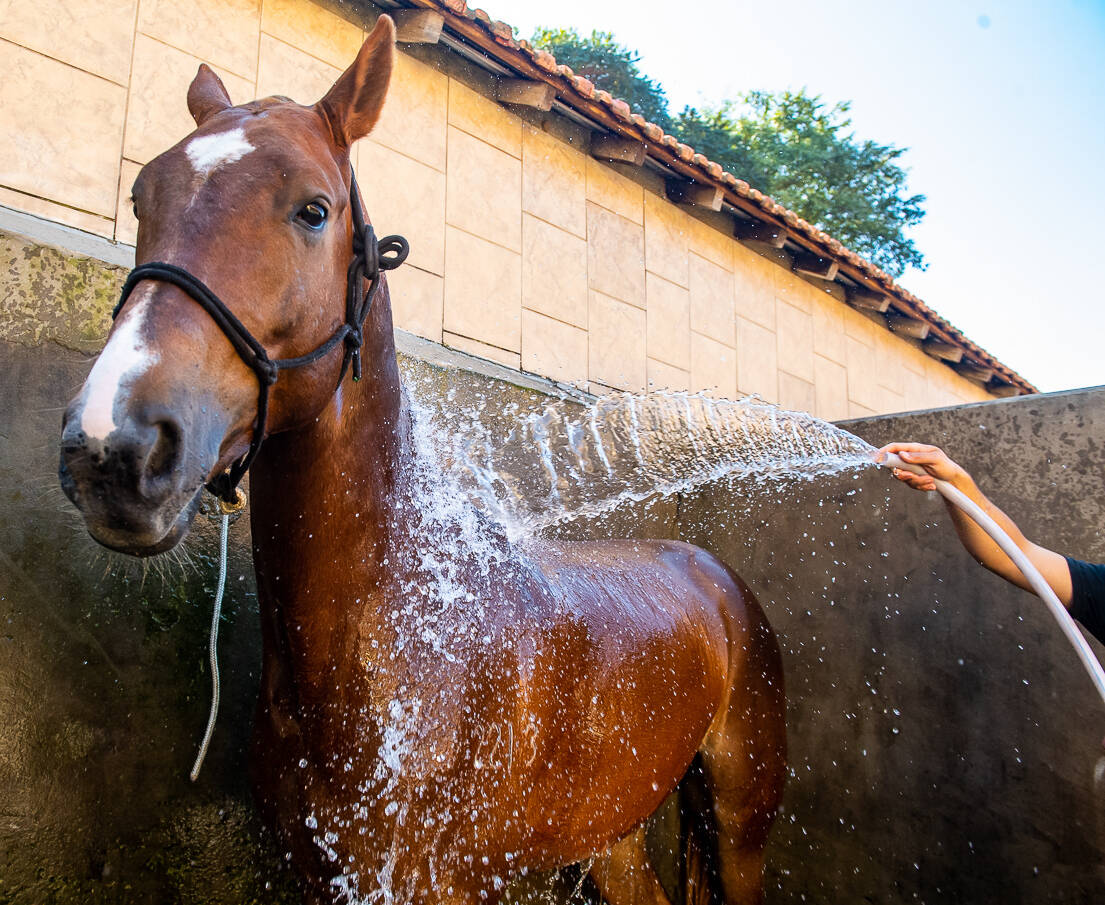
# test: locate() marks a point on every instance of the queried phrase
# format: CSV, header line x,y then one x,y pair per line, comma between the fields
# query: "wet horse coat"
x,y
429,749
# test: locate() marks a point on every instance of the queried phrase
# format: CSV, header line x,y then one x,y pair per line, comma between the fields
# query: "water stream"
x,y
535,465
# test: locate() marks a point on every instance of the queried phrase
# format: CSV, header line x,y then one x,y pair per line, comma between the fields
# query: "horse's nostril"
x,y
164,455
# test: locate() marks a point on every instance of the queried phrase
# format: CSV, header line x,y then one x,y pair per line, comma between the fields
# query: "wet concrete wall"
x,y
942,737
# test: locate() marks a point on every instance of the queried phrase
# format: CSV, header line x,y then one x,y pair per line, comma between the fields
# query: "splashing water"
x,y
484,479
533,467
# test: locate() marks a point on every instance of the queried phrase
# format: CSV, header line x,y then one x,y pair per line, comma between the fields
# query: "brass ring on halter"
x,y
237,506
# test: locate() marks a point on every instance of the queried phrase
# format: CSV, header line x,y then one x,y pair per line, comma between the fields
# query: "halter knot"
x,y
267,371
392,251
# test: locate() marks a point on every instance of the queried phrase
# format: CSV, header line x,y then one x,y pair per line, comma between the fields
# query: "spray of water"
x,y
482,481
536,466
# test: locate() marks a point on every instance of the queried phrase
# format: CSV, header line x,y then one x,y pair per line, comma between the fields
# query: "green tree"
x,y
788,145
610,66
791,147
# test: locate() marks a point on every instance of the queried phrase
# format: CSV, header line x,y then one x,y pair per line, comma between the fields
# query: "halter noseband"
x,y
370,256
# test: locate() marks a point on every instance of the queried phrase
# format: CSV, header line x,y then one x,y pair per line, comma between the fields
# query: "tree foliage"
x,y
610,66
789,145
792,147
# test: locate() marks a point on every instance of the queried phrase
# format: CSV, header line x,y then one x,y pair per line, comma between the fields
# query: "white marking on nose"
x,y
210,151
125,355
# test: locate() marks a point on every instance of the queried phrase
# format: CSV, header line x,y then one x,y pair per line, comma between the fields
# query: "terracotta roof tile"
x,y
545,60
584,86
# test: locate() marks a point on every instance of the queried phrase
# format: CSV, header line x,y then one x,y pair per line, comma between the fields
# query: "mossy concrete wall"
x,y
943,740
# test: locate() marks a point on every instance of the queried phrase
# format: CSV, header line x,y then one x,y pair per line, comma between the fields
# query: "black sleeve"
x,y
1087,603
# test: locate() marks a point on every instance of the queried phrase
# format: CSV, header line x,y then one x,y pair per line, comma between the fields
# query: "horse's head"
x,y
255,204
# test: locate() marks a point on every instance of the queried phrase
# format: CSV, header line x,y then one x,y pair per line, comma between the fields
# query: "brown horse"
x,y
440,709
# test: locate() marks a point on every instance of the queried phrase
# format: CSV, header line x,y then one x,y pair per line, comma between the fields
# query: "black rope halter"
x,y
370,256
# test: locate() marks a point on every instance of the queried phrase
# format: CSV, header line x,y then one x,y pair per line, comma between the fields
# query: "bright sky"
x,y
1001,103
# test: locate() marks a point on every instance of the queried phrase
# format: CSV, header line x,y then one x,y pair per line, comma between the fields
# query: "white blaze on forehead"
x,y
210,151
125,355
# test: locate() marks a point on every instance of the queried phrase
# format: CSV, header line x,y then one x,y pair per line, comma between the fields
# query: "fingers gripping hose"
x,y
1028,570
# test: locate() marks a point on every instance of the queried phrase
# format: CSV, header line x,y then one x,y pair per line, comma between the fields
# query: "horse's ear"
x,y
206,95
353,105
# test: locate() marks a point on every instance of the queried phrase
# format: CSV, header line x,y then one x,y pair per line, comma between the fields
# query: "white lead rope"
x,y
1020,559
213,651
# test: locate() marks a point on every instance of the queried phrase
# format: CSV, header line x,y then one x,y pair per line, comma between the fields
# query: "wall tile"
x,y
757,365
863,384
861,327
94,35
888,362
615,256
553,349
855,410
484,190
914,360
616,343
830,383
62,131
610,189
417,301
477,114
666,240
974,392
754,286
792,289
669,322
483,290
287,70
483,350
48,210
712,312
662,376
157,116
828,329
554,272
414,118
554,181
891,402
914,388
796,394
713,367
222,32
711,243
126,224
794,329
406,197
312,29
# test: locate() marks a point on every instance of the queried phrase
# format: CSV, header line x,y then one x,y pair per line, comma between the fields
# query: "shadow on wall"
x,y
942,736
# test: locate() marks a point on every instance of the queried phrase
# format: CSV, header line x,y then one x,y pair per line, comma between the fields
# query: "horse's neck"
x,y
323,508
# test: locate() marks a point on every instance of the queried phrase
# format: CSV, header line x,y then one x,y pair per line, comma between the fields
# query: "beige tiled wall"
x,y
524,250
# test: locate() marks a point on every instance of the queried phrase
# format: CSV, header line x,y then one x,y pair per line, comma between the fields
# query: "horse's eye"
x,y
312,215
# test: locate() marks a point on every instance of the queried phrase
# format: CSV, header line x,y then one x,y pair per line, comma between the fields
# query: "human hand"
x,y
933,459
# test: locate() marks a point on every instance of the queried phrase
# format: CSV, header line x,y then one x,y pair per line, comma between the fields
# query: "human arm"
x,y
1053,566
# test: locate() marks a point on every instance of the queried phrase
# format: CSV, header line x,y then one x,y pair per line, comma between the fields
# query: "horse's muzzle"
x,y
131,487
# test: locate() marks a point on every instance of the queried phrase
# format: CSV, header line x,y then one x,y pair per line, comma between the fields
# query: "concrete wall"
x,y
525,250
943,739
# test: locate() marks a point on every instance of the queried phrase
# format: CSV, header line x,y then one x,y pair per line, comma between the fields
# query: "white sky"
x,y
1002,105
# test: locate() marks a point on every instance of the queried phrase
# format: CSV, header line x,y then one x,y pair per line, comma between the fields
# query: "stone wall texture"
x,y
525,250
